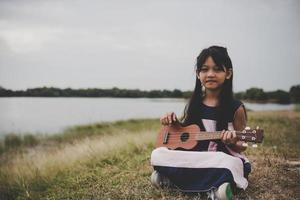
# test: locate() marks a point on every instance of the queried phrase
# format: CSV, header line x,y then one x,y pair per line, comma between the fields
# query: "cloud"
x,y
148,45
29,40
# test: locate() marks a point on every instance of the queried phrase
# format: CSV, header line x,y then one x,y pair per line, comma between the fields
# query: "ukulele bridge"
x,y
166,137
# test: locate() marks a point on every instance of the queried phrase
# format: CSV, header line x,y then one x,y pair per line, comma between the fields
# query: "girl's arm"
x,y
239,124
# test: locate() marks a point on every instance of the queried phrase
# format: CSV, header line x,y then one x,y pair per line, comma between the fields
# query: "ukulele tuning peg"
x,y
254,145
247,128
245,144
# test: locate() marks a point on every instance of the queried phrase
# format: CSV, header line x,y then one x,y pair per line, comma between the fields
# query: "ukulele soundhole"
x,y
184,137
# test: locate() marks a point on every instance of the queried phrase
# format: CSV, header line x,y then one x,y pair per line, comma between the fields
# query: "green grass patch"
x,y
297,107
79,132
14,142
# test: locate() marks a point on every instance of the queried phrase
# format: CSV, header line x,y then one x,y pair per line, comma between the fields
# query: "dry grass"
x,y
48,161
116,166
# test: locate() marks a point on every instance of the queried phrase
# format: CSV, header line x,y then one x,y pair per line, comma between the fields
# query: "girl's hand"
x,y
228,137
168,118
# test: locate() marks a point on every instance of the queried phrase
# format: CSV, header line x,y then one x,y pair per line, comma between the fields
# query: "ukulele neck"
x,y
208,135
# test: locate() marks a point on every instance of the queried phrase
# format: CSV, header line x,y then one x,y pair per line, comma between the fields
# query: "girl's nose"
x,y
210,73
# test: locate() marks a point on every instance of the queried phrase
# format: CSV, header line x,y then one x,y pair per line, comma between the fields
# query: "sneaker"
x,y
224,192
160,181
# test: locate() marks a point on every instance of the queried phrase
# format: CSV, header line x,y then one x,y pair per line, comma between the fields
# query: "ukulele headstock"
x,y
251,135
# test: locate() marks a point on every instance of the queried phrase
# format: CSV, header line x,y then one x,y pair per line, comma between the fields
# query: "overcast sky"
x,y
146,44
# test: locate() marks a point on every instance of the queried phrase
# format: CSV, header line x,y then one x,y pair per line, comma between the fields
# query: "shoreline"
x,y
181,98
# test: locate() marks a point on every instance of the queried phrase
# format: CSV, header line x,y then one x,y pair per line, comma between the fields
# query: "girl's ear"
x,y
229,73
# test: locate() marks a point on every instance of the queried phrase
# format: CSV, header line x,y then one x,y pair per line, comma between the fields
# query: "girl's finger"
x,y
228,136
231,138
225,137
165,119
170,118
234,136
162,118
174,117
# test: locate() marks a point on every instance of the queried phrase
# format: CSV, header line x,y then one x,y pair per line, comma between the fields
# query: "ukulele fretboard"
x,y
208,136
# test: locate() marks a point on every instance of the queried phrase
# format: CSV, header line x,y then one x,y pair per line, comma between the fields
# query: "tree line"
x,y
278,96
93,92
252,94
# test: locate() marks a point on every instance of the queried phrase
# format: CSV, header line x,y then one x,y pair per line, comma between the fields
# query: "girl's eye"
x,y
218,69
203,69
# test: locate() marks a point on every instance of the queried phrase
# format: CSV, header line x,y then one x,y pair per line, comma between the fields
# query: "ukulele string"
x,y
176,137
204,132
180,139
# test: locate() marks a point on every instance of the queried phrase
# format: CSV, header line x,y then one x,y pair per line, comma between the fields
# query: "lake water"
x,y
51,115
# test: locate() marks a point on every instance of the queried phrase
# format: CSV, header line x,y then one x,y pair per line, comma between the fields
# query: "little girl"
x,y
212,166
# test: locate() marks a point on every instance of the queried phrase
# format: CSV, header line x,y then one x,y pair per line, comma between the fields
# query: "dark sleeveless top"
x,y
208,114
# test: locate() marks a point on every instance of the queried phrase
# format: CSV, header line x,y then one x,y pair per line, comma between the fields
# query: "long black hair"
x,y
191,112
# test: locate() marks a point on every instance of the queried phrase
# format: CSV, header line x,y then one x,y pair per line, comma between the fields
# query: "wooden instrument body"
x,y
177,136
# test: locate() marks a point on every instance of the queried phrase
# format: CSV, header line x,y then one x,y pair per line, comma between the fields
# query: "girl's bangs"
x,y
215,58
218,60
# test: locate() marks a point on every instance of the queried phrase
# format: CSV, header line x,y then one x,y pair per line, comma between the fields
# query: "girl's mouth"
x,y
210,81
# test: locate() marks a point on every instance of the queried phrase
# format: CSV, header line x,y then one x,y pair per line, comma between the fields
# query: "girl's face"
x,y
212,76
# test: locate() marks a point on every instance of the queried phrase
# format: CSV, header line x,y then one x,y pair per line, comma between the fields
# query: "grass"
x,y
14,142
297,107
112,161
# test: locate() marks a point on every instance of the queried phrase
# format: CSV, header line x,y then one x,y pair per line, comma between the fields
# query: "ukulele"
x,y
179,137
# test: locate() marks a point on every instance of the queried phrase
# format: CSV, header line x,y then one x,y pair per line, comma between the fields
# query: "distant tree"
x,y
44,92
2,92
295,93
255,94
154,94
176,93
279,96
67,92
166,93
5,93
240,95
187,94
